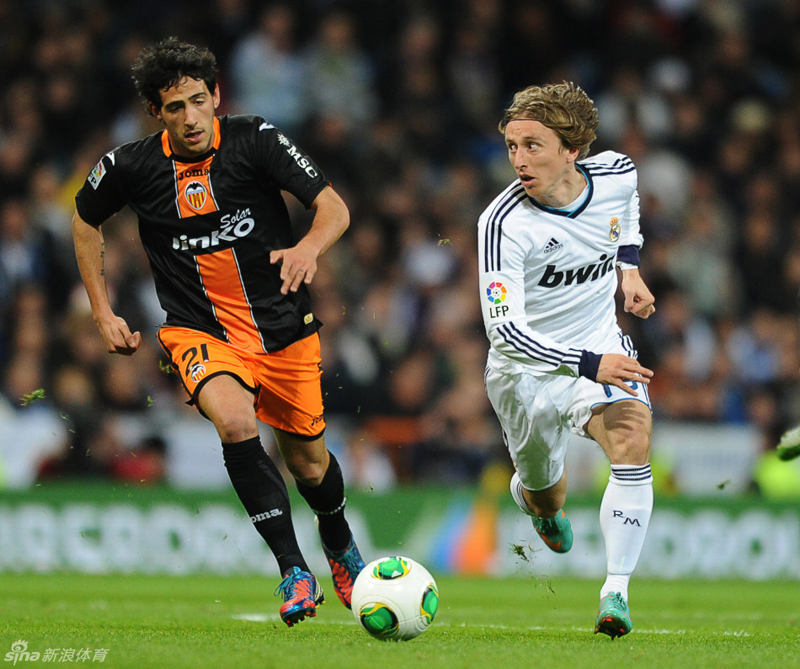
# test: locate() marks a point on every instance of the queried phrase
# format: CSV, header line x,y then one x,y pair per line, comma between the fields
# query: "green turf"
x,y
210,621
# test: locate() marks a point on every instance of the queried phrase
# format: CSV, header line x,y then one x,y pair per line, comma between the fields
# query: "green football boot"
x,y
613,617
555,532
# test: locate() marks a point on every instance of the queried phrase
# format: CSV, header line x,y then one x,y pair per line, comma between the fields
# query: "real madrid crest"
x,y
613,234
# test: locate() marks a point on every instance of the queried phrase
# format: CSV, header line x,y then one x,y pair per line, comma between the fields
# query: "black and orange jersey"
x,y
208,226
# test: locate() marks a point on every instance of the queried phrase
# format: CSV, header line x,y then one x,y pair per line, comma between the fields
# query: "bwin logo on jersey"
x,y
553,277
233,227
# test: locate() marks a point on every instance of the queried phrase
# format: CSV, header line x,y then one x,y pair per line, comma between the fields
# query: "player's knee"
x,y
233,429
308,465
306,459
307,472
631,446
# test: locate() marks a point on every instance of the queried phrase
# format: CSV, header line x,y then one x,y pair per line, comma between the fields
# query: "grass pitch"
x,y
211,621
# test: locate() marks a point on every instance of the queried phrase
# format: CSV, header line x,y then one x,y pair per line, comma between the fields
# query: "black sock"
x,y
262,490
327,500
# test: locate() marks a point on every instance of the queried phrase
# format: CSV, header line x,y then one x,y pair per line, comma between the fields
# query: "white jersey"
x,y
547,276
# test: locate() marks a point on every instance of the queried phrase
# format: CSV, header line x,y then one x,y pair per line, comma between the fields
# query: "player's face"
x,y
540,160
187,111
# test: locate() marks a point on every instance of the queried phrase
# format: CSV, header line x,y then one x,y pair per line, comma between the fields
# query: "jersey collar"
x,y
214,146
574,213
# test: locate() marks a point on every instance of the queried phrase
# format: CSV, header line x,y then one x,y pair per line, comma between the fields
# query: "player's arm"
x,y
502,262
89,251
614,369
299,263
522,344
638,299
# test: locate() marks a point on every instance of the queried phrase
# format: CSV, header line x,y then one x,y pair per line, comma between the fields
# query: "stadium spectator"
x,y
268,72
340,75
476,53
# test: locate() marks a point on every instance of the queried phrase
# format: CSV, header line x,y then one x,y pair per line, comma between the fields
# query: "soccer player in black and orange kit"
x,y
240,331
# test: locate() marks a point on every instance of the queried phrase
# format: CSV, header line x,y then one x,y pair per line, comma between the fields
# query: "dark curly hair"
x,y
162,65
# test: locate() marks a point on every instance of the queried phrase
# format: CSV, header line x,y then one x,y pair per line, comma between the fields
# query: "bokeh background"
x,y
398,102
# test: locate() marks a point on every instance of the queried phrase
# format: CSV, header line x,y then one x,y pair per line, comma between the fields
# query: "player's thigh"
x,y
289,389
535,429
229,405
623,431
213,369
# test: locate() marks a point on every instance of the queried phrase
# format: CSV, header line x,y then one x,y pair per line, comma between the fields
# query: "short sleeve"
x,y
99,198
286,165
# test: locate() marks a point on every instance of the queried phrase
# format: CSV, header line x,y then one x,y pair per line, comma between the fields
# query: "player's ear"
x,y
155,112
573,153
216,97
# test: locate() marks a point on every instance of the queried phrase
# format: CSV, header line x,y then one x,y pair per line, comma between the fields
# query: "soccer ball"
x,y
395,598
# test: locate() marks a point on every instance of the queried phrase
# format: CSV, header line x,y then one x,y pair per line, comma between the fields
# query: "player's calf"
x,y
556,532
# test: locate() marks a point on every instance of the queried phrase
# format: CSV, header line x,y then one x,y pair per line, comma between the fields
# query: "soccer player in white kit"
x,y
549,248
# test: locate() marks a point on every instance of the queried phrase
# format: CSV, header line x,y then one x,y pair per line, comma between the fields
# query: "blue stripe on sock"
x,y
629,474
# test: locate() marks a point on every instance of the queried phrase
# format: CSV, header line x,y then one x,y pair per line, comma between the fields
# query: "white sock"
x,y
624,517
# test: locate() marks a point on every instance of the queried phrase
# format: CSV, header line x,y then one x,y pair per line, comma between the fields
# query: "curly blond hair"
x,y
564,108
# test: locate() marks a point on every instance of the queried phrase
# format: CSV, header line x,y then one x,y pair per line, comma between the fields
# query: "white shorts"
x,y
539,413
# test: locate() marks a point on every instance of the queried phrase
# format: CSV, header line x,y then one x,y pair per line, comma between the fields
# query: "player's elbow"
x,y
344,219
341,213
80,226
331,208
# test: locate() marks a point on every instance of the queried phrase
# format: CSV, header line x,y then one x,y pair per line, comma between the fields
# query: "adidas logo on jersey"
x,y
553,277
552,245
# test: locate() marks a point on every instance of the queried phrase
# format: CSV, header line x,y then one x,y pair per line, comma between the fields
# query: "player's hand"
x,y
117,336
616,368
298,265
639,301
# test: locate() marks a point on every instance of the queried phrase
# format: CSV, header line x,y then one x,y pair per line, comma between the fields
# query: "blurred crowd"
x,y
398,102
